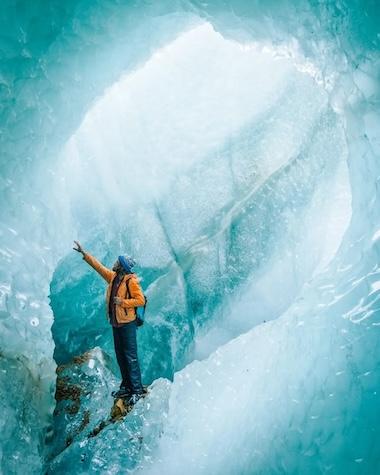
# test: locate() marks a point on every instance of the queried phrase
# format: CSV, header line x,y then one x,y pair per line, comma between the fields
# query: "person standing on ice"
x,y
123,295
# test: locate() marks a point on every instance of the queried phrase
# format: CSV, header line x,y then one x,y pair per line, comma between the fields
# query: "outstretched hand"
x,y
79,248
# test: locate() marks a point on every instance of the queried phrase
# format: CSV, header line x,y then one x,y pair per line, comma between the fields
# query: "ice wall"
x,y
299,395
53,60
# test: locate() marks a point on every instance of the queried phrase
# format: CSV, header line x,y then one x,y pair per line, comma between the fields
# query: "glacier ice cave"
x,y
232,147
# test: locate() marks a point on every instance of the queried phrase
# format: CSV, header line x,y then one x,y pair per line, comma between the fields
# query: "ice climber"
x,y
123,295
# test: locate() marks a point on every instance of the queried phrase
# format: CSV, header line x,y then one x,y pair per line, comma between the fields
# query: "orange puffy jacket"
x,y
126,311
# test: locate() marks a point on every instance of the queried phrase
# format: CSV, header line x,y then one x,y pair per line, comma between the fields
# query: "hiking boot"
x,y
134,398
122,393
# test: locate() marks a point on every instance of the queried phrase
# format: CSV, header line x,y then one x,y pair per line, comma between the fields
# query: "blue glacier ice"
x,y
233,148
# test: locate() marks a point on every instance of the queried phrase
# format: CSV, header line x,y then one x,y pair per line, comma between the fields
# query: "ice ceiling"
x,y
232,148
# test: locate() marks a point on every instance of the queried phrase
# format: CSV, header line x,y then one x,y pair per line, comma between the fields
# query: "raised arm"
x,y
106,273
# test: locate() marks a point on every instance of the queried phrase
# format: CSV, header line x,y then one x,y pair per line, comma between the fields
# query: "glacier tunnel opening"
x,y
229,185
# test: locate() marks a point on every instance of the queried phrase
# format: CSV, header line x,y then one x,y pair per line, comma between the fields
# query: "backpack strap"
x,y
128,293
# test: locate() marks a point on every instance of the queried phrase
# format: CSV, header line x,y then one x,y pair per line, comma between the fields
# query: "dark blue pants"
x,y
126,354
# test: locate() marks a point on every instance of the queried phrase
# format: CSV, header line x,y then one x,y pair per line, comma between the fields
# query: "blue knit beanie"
x,y
127,263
